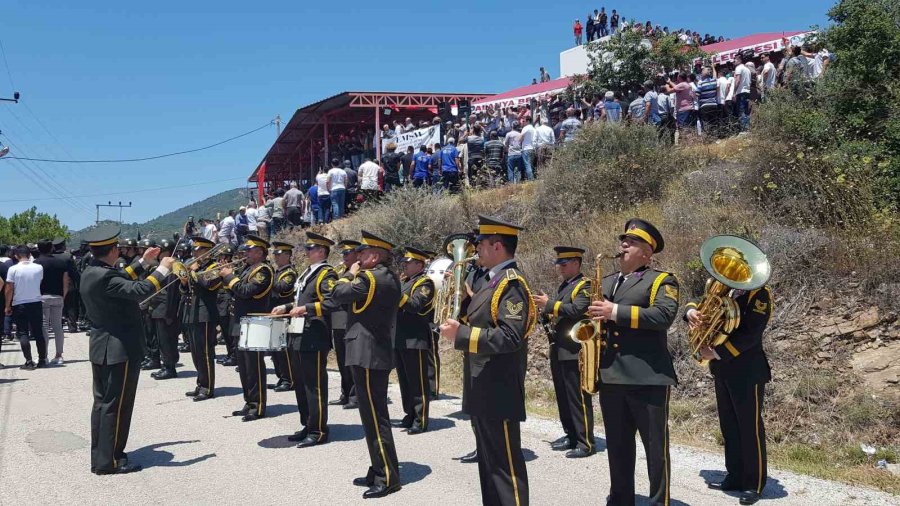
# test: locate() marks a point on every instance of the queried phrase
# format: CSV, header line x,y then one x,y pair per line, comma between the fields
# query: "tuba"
x,y
588,333
448,299
734,264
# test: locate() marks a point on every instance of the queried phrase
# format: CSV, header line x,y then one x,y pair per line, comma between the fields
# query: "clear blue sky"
x,y
131,79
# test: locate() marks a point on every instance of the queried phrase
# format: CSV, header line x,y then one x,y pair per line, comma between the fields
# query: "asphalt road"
x,y
196,453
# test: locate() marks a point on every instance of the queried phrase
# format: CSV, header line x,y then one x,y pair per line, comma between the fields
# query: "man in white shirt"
x,y
742,92
528,144
324,197
768,74
210,231
23,302
252,218
337,187
544,139
226,229
368,177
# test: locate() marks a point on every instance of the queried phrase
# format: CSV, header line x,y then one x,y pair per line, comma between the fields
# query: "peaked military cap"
x,y
370,240
104,235
59,241
282,247
348,245
242,248
254,241
127,242
202,242
564,253
414,254
430,254
313,239
645,231
488,226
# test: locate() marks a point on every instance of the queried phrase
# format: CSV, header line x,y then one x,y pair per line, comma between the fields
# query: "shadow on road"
x,y
227,391
279,409
773,489
436,424
151,456
640,500
411,472
528,455
4,381
459,415
336,432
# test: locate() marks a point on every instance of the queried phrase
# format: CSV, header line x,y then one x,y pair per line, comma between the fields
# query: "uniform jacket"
x,y
166,302
283,287
566,308
339,316
415,314
636,351
499,317
111,300
373,296
741,357
315,295
251,289
133,267
201,296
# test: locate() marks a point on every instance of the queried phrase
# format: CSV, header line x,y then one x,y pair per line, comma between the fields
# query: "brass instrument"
x,y
588,333
214,273
734,264
182,270
448,299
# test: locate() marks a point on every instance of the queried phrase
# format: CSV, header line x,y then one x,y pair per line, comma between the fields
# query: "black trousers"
x,y
152,339
576,408
628,409
225,323
311,389
167,335
203,354
412,372
114,389
29,318
501,466
340,351
252,371
740,409
283,369
70,308
373,411
434,365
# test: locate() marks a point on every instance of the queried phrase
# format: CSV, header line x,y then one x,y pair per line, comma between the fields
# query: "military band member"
x,y
476,279
152,360
251,292
412,344
116,346
434,356
283,293
166,320
201,315
309,350
349,256
373,293
636,372
498,319
741,371
127,255
225,306
565,309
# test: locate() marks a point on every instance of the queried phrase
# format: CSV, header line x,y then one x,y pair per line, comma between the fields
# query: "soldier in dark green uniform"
x,y
565,309
636,372
373,292
309,350
251,292
164,308
201,315
498,319
349,256
116,346
283,293
225,306
741,371
412,344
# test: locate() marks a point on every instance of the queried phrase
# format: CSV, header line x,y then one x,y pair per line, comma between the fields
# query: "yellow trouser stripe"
x,y
587,430
512,470
319,391
666,450
424,395
287,357
260,384
437,369
119,414
473,339
759,487
206,354
387,471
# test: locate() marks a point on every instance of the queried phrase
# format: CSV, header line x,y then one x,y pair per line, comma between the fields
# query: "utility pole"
x,y
277,125
120,205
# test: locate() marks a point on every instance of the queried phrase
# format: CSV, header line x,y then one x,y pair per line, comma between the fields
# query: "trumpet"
x,y
215,272
182,271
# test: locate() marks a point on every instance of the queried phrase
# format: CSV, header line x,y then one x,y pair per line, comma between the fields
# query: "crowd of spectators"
x,y
599,24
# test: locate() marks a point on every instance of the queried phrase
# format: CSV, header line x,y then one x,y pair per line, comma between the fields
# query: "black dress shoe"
x,y
151,365
202,396
376,491
724,485
405,423
230,362
298,436
250,417
271,386
578,453
241,412
313,441
165,374
416,429
42,363
362,482
749,497
192,393
123,469
283,387
339,401
351,405
562,445
220,360
469,458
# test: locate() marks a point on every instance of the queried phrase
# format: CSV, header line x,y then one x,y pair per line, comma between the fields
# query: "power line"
x,y
144,159
129,192
6,63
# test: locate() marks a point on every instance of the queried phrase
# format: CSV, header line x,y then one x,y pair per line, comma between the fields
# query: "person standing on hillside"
x,y
277,211
227,229
337,187
293,200
324,197
252,218
263,219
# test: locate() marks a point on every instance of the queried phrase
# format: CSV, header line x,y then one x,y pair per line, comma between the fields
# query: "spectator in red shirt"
x,y
577,30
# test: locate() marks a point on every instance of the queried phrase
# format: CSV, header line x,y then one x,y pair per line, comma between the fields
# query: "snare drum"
x,y
259,333
296,325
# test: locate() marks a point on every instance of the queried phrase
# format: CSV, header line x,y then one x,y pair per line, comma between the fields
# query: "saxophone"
x,y
588,333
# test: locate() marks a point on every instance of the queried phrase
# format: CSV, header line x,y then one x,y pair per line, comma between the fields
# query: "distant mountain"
x,y
170,223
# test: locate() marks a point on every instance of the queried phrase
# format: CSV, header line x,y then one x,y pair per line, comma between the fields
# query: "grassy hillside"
x,y
169,223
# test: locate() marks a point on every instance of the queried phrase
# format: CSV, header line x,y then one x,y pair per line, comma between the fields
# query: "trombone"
x,y
181,270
